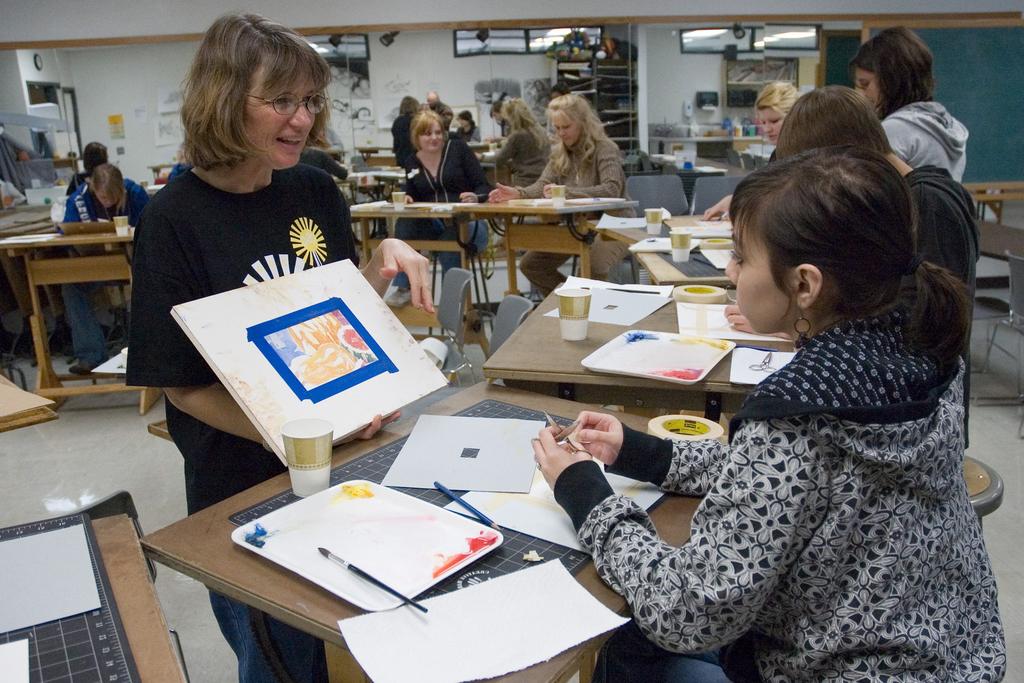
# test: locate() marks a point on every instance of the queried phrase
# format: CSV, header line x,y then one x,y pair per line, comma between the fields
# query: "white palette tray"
x,y
659,355
405,542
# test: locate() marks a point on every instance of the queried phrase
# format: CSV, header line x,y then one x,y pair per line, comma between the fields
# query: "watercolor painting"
x,y
321,350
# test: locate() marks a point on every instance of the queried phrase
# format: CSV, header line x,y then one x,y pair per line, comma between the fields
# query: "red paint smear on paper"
x,y
688,373
476,543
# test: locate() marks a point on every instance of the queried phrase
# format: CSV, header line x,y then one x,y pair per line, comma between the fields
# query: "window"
x,y
721,39
517,41
339,47
779,37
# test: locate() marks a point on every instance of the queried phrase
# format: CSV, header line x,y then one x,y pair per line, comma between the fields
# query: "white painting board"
x,y
719,257
619,223
708,320
751,366
537,513
14,661
318,343
574,282
652,245
46,576
618,307
468,634
467,454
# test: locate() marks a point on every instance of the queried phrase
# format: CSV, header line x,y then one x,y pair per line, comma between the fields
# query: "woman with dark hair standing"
x,y
253,98
836,540
401,140
466,128
894,71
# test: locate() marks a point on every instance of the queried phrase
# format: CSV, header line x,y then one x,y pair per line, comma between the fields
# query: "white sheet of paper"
x,y
746,365
116,365
719,257
616,223
482,631
369,205
537,513
574,282
47,576
467,454
14,661
615,307
651,244
708,320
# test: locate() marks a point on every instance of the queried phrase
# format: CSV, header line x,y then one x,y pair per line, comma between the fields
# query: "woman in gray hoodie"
x,y
894,71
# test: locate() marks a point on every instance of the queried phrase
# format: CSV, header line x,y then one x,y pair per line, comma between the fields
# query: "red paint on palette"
x,y
687,373
476,543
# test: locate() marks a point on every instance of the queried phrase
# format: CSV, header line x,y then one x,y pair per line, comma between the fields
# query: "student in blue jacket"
x,y
104,195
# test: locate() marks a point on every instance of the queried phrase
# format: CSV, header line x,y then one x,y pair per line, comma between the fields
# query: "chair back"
x,y
733,157
1016,288
654,191
512,310
451,310
747,161
709,189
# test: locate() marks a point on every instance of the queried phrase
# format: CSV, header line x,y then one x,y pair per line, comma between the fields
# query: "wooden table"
x,y
20,408
373,154
565,230
44,266
535,358
993,194
137,603
664,272
200,546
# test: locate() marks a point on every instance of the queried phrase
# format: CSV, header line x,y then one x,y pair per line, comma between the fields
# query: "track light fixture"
x,y
483,34
738,31
388,38
335,40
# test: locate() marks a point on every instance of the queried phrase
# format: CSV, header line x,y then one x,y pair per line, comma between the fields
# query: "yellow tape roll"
x,y
699,294
684,428
716,243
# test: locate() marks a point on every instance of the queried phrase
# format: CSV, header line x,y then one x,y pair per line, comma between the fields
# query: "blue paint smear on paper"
x,y
639,336
258,536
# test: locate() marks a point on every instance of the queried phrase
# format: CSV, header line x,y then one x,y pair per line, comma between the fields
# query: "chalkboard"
x,y
839,50
979,77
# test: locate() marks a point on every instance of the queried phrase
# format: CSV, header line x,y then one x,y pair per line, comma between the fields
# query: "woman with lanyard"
x,y
253,99
442,170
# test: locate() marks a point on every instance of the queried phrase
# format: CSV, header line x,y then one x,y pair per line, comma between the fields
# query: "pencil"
x,y
484,519
565,431
376,582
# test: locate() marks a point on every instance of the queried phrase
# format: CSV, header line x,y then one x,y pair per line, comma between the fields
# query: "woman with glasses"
x,y
253,99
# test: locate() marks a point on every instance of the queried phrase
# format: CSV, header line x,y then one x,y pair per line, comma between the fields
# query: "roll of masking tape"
x,y
716,243
699,294
684,428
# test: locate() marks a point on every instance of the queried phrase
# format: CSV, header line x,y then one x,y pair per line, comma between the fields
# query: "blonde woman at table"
x,y
527,148
589,164
253,98
772,105
836,540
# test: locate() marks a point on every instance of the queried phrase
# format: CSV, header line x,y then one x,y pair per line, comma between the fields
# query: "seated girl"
x,y
441,170
836,539
589,164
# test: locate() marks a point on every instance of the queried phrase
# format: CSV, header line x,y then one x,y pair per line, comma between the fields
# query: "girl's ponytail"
x,y
939,319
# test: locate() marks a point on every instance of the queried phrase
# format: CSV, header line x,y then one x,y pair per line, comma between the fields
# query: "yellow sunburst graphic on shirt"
x,y
308,242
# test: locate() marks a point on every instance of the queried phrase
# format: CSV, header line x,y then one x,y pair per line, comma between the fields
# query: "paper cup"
x,y
307,447
682,241
654,219
558,196
435,349
398,199
121,225
573,312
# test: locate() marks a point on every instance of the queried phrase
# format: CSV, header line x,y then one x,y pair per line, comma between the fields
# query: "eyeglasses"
x,y
287,105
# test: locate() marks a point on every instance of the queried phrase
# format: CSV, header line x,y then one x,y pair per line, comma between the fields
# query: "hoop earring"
x,y
802,326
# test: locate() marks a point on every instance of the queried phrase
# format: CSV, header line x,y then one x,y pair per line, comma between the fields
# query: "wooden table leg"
x,y
147,397
342,667
510,259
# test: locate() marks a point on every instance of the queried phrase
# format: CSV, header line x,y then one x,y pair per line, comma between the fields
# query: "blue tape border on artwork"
x,y
257,334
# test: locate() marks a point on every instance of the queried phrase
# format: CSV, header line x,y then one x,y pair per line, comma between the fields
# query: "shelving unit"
x,y
744,78
610,84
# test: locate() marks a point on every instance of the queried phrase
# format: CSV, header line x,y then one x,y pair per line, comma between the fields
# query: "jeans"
x,y
630,657
435,229
301,653
87,340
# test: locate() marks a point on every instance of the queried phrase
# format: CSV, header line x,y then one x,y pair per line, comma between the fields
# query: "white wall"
x,y
425,60
122,80
58,19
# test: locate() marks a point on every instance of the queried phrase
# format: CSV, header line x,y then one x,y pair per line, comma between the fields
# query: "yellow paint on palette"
x,y
719,344
349,491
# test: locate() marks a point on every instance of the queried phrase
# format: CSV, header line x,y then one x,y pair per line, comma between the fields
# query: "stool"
x,y
984,486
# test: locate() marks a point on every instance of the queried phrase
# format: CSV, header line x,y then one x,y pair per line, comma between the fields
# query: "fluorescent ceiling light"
x,y
704,33
793,35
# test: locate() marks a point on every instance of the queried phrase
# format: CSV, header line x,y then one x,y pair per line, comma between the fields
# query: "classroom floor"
x,y
100,445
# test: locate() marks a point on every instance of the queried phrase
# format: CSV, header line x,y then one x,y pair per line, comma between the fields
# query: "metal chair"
x,y
709,189
733,157
747,161
451,313
658,191
989,499
512,310
1014,321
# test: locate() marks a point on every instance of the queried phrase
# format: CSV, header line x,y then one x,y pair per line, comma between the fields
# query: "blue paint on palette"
x,y
639,336
321,350
257,537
